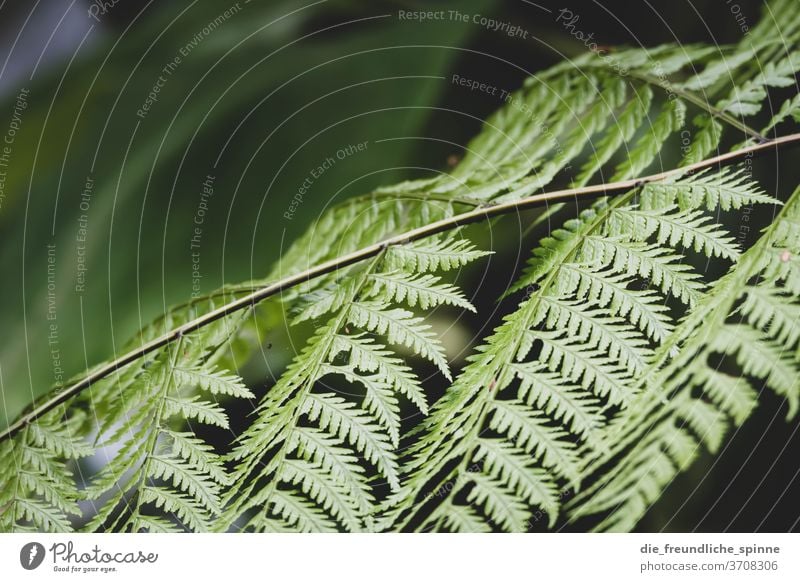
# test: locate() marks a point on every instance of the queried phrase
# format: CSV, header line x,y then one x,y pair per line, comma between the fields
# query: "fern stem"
x,y
455,474
12,507
697,101
301,397
152,443
476,215
702,104
424,197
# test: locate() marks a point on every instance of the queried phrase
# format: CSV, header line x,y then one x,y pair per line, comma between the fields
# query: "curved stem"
x,y
473,216
702,104
693,98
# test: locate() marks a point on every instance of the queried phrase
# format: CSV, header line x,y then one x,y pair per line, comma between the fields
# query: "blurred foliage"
x,y
261,101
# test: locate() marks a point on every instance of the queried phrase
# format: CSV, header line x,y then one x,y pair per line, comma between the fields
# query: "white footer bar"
x,y
401,557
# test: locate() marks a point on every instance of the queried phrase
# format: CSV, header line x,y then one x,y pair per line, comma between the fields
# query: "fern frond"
x,y
319,447
365,299
762,359
749,98
339,417
421,289
650,444
499,503
514,467
368,356
323,490
434,254
626,126
531,432
36,485
595,329
720,68
647,261
213,381
379,400
195,408
729,189
298,513
665,451
612,291
593,261
464,519
158,467
647,148
690,230
789,110
548,391
731,394
772,310
401,328
599,330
